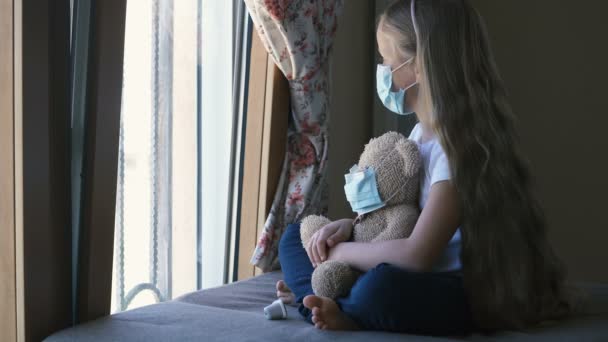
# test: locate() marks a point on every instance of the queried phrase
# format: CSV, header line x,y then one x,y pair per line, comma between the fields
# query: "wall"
x,y
42,198
553,57
352,95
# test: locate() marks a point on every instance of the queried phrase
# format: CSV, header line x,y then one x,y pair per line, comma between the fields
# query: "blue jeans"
x,y
386,298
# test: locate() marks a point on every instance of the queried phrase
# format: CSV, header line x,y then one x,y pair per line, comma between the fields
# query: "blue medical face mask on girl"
x,y
394,101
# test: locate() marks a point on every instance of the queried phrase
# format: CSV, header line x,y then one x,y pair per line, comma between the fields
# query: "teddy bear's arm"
x,y
310,225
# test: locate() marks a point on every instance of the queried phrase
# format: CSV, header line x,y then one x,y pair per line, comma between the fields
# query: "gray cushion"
x,y
234,313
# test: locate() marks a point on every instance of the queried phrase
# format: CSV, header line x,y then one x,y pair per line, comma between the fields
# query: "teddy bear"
x,y
396,162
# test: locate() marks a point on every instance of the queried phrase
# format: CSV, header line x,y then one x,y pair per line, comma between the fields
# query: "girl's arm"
x,y
435,227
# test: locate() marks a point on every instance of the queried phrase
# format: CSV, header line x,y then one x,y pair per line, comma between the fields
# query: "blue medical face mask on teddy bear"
x,y
393,101
361,190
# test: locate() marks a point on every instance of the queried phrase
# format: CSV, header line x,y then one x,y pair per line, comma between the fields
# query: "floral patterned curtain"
x,y
298,35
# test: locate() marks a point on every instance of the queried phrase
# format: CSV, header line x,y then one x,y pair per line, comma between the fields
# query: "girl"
x,y
478,258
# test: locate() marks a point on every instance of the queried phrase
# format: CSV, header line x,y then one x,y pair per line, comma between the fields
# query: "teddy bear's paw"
x,y
333,279
310,225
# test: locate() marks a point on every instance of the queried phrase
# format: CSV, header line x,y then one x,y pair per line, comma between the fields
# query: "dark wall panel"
x,y
553,56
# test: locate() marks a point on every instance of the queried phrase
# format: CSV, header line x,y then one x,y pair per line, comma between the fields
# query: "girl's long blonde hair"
x,y
511,273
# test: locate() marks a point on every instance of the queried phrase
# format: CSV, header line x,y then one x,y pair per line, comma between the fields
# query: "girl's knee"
x,y
292,232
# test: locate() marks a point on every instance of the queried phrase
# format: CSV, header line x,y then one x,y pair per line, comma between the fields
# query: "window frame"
x,y
8,264
101,150
30,246
268,106
36,176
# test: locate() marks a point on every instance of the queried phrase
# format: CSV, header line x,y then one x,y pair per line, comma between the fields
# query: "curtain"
x,y
298,35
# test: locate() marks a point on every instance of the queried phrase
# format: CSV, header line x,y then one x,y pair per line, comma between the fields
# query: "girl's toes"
x,y
312,302
284,293
327,314
282,287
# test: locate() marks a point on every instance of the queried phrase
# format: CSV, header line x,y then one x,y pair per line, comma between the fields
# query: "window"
x,y
179,149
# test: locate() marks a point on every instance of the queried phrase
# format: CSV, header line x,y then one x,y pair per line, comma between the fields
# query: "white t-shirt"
x,y
436,169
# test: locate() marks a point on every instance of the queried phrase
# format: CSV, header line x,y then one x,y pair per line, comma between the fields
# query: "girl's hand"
x,y
328,237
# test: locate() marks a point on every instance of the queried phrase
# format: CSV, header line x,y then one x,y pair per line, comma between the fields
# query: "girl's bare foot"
x,y
284,293
327,315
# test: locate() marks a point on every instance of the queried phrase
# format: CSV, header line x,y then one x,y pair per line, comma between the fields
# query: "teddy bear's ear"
x,y
408,150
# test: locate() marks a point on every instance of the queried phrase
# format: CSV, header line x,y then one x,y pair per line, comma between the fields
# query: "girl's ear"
x,y
408,150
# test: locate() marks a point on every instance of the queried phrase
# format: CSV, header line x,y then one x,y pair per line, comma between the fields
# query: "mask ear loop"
x,y
402,65
359,218
396,192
